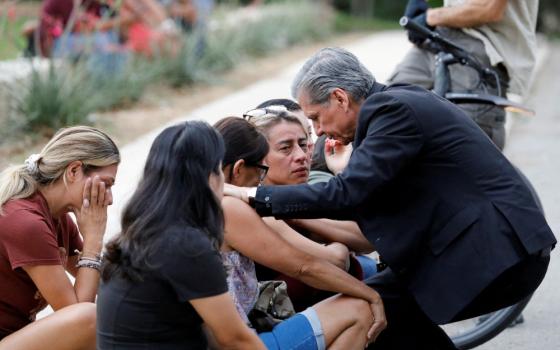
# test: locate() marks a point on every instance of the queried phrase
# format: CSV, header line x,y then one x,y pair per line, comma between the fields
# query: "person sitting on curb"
x,y
343,321
163,276
39,242
322,230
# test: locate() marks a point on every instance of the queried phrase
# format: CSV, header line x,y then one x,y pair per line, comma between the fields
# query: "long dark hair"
x,y
173,191
242,141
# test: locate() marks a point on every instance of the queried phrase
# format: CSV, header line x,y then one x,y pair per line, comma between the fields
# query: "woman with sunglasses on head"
x,y
39,242
248,167
340,322
284,162
163,276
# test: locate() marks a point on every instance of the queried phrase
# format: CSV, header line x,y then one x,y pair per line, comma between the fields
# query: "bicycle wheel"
x,y
473,332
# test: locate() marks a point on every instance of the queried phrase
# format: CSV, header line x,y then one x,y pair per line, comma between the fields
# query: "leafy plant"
x,y
68,92
58,97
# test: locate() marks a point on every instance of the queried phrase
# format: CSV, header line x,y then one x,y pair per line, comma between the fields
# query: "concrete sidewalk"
x,y
379,52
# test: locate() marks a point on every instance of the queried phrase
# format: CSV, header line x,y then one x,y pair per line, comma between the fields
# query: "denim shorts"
x,y
302,331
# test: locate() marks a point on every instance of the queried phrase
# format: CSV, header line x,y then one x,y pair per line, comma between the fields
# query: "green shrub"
x,y
275,28
68,93
61,96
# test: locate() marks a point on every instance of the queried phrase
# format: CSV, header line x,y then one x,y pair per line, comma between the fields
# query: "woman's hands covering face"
x,y
92,215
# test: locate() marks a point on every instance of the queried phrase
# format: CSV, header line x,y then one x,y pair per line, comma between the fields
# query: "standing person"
x,y
39,242
456,224
163,277
499,33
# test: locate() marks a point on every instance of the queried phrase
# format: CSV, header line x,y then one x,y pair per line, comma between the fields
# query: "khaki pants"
x,y
418,67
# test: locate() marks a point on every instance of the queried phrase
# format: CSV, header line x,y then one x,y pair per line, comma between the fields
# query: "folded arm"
x,y
345,232
224,323
247,233
471,13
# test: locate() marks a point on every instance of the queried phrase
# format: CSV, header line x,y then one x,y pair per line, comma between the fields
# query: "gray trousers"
x,y
418,67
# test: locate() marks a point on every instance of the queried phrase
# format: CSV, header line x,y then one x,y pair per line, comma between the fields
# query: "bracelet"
x,y
96,256
89,263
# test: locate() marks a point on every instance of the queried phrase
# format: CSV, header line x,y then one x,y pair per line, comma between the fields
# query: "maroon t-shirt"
x,y
29,236
55,15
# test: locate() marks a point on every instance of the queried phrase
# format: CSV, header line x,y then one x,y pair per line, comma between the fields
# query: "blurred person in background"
x,y
498,33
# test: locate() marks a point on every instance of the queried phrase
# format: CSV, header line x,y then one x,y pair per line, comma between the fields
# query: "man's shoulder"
x,y
399,93
404,97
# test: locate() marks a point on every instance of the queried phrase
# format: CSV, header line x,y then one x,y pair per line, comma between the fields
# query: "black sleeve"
x,y
390,139
193,267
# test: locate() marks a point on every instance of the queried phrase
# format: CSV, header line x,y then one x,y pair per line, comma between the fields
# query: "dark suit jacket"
x,y
431,192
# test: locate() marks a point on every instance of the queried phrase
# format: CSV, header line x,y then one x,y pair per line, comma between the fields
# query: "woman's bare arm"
x,y
247,233
334,256
345,232
224,323
472,13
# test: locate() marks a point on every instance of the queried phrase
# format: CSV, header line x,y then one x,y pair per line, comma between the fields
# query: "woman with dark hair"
x,y
340,322
163,276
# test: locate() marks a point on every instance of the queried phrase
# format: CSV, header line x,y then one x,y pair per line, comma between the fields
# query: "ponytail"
x,y
16,182
90,146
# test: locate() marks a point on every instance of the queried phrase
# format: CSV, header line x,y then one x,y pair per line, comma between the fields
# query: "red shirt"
x,y
55,15
29,236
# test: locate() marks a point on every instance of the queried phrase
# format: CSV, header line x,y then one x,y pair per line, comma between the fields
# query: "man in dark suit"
x,y
456,224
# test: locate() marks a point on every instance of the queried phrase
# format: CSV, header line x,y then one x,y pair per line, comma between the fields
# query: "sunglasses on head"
x,y
261,112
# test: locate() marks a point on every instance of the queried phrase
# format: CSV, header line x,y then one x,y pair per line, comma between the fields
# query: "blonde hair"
x,y
89,145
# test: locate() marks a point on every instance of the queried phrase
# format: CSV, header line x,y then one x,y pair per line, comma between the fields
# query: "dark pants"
x,y
408,327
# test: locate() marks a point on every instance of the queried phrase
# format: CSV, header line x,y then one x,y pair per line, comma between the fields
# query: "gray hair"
x,y
332,68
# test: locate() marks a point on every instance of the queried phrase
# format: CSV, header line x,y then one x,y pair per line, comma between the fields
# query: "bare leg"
x,y
70,328
345,322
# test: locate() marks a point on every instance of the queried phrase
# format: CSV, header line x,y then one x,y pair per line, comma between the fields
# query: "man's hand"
x,y
337,155
416,11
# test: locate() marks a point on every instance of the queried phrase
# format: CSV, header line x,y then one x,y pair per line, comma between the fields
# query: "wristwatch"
x,y
251,194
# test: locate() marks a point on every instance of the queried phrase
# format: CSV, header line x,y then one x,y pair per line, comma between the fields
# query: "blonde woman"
x,y
39,242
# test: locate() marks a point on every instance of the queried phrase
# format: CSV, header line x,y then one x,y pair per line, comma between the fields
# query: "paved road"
x,y
535,148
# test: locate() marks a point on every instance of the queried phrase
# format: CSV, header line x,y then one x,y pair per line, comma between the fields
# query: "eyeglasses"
x,y
263,170
273,111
